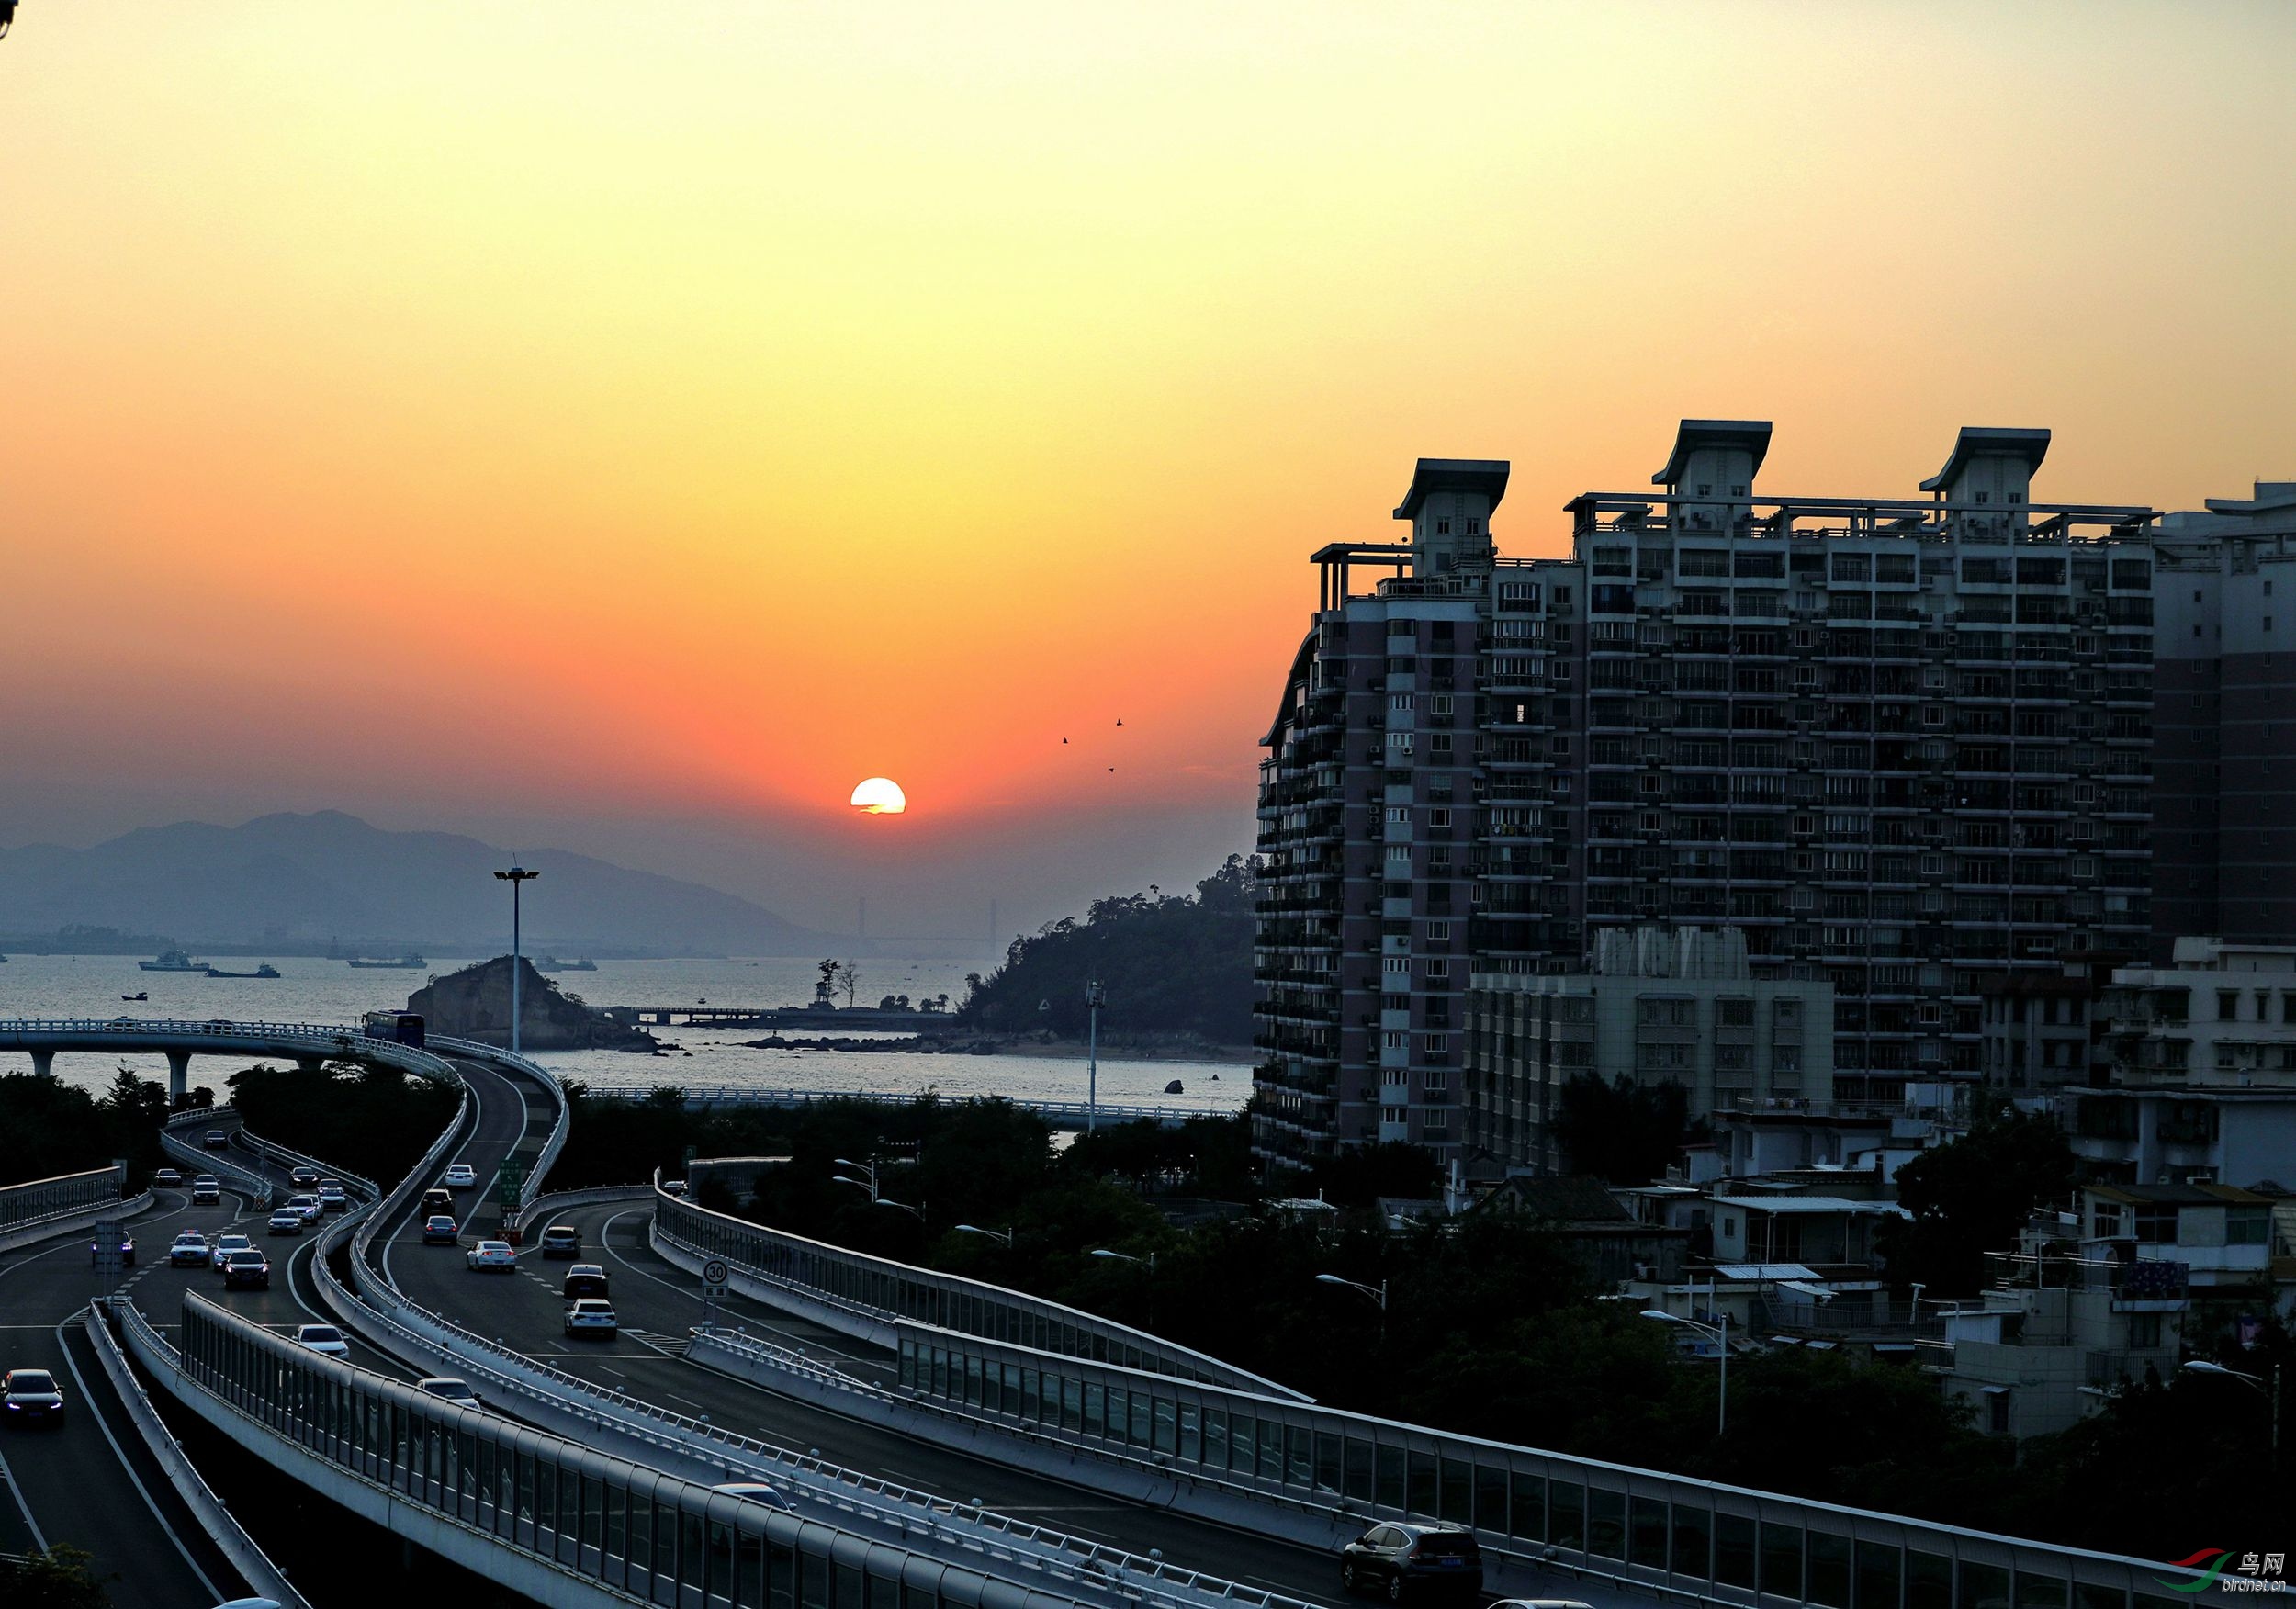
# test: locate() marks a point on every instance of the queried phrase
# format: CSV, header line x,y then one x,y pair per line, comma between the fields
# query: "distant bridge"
x,y
1061,1114
306,1044
852,1020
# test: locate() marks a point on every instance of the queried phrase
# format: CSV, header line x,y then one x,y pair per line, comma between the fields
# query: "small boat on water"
x,y
551,963
409,961
265,971
173,960
139,995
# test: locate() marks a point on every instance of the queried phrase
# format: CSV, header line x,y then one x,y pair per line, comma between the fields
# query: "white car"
x,y
288,1221
449,1390
323,1338
307,1205
225,1244
331,1197
496,1254
589,1316
756,1491
190,1250
460,1175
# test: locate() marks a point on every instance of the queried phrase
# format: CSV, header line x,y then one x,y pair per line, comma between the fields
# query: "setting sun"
x,y
880,796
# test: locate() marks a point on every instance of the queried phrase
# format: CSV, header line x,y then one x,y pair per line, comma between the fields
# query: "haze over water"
x,y
316,991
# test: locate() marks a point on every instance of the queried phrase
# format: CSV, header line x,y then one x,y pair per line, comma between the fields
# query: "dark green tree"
x,y
60,1577
1170,964
1621,1132
1970,1196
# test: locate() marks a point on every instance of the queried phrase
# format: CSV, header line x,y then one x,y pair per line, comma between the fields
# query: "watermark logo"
x,y
2253,1572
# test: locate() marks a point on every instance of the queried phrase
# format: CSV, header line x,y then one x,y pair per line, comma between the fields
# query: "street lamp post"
x,y
1720,1331
515,876
1148,1262
2271,1392
868,1181
1094,997
1377,1293
995,1234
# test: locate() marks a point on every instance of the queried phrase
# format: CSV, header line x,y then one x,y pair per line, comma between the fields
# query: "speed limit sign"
x,y
713,1276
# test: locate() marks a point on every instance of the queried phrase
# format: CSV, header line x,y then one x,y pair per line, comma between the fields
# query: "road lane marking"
x,y
23,1507
129,1470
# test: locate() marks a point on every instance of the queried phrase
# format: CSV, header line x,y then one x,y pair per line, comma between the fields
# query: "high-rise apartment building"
x,y
2224,718
1904,740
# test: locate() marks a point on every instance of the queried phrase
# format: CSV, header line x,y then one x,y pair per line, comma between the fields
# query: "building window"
x,y
1435,818
1439,932
2228,1005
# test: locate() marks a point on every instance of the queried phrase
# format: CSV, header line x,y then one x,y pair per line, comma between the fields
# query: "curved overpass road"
x,y
94,1485
658,1303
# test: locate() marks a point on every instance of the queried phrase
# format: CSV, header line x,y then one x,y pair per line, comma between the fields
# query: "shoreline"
x,y
957,1045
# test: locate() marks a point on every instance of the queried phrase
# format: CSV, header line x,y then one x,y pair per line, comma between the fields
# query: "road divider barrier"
x,y
215,1518
542,1515
870,1297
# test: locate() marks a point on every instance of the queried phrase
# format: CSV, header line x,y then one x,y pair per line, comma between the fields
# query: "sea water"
x,y
329,992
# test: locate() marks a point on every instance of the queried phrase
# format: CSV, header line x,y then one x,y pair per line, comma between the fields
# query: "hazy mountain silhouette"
x,y
307,879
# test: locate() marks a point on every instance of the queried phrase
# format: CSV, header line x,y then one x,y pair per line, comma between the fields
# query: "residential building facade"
x,y
2224,714
1678,1006
1905,741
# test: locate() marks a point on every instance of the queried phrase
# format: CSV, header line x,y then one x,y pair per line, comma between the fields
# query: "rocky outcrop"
x,y
474,1004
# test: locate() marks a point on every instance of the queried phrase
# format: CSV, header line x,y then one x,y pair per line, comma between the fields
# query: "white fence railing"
x,y
27,1205
215,1518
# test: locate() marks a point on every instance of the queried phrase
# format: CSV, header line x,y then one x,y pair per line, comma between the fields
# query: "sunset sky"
x,y
626,427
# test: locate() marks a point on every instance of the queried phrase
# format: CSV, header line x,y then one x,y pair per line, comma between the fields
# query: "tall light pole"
x,y
1148,1262
515,876
1094,997
2272,1392
1377,1293
1720,1331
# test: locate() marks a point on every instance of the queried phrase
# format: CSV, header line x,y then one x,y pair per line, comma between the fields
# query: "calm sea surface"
x,y
330,991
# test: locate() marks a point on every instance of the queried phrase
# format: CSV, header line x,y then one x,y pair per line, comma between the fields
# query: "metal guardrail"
x,y
215,1517
886,1292
650,1535
198,1158
512,1376
556,1142
37,1201
1638,1527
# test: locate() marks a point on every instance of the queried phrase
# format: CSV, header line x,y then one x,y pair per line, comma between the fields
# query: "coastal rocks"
x,y
474,1004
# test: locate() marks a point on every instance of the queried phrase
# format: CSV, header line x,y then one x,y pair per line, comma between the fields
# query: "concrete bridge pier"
x,y
44,1063
178,1077
309,1064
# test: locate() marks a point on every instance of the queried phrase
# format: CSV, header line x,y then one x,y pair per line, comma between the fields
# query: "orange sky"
x,y
673,414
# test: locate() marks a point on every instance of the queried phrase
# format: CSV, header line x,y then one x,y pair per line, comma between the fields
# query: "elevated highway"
x,y
95,1485
658,1303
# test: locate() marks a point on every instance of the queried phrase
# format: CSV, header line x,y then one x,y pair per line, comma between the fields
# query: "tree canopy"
x,y
1972,1195
1169,964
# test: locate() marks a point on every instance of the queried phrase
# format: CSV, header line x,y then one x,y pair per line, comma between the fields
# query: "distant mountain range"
x,y
300,882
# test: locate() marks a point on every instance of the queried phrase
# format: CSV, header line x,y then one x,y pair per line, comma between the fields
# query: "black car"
x,y
585,1279
252,1269
30,1396
1400,1560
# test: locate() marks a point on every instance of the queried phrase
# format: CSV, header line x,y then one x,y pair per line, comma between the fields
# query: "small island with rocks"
x,y
474,1004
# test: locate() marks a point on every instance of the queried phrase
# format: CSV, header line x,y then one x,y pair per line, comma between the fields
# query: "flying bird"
x,y
1063,743
1119,720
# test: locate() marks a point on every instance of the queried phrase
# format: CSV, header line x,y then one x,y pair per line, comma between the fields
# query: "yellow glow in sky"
x,y
692,406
